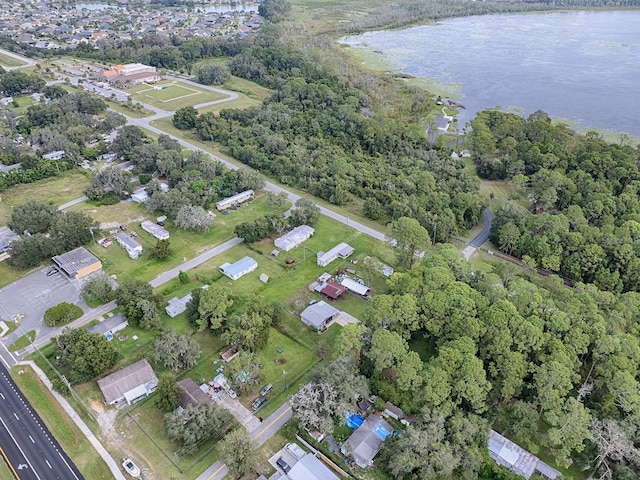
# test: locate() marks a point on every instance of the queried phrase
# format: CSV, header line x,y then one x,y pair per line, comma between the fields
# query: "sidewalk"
x,y
113,466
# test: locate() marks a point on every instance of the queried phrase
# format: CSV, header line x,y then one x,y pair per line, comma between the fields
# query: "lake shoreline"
x,y
370,52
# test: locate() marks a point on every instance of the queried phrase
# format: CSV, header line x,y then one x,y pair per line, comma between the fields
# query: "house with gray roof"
x,y
319,315
110,326
177,305
293,238
365,443
236,270
342,250
129,385
131,246
191,393
310,468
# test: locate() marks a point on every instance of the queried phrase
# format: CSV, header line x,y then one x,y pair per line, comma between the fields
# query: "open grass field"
x,y
184,244
175,96
57,190
66,432
7,61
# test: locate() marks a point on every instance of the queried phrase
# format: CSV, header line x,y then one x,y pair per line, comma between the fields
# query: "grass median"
x,y
60,424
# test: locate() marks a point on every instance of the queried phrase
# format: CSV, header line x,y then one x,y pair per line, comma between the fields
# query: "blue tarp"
x,y
354,421
380,431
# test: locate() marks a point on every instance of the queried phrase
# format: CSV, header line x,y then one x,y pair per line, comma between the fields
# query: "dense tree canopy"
x,y
577,211
82,355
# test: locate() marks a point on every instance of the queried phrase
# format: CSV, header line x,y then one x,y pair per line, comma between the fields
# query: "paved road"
x,y
72,202
194,262
27,61
260,435
482,237
32,452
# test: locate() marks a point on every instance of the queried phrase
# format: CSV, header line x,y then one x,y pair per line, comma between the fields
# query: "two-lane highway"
x,y
27,446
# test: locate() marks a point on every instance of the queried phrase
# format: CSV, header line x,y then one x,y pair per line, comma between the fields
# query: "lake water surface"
x,y
580,66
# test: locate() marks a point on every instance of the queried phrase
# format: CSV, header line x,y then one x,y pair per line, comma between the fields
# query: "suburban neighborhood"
x,y
205,275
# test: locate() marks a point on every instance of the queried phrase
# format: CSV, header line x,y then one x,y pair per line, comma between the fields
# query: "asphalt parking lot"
x,y
32,295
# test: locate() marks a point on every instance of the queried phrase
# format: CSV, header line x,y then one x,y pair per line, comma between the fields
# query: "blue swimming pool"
x,y
354,421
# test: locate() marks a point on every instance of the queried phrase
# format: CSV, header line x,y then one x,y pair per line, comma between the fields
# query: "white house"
x,y
133,248
129,385
342,250
177,305
293,238
236,270
235,200
140,195
57,155
154,229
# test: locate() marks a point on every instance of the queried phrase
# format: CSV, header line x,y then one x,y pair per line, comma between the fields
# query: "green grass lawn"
x,y
184,244
7,61
175,96
23,341
57,190
23,101
65,431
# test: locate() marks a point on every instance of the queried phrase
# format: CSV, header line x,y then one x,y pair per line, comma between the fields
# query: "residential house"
x,y
57,155
319,315
310,468
154,229
236,270
140,195
110,326
516,459
77,263
333,290
234,200
177,305
129,385
394,412
132,247
342,250
365,443
293,238
191,393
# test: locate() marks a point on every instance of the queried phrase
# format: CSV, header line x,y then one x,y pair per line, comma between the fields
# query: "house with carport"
x,y
319,315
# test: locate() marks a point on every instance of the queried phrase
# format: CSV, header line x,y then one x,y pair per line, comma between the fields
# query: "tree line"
x,y
543,364
575,207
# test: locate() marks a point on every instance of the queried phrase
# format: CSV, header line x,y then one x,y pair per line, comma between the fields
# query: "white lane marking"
x,y
69,467
31,438
48,463
20,448
16,415
1,395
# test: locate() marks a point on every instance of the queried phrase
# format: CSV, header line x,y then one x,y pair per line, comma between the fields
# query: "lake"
x,y
580,66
